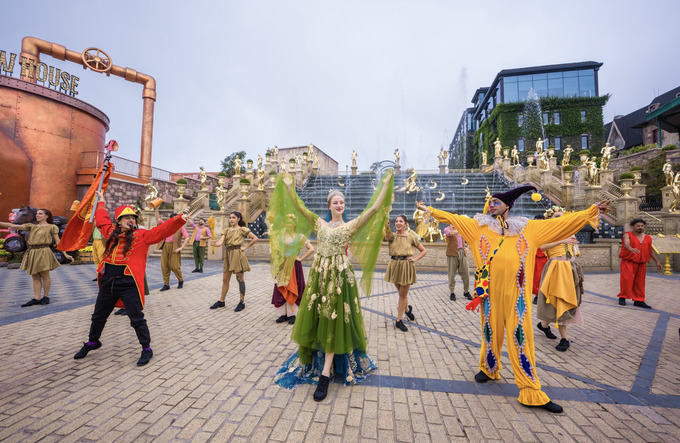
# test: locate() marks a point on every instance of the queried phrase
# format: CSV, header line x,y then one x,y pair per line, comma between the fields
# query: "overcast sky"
x,y
366,75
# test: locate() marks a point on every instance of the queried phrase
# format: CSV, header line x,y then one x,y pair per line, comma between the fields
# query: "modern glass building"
x,y
570,104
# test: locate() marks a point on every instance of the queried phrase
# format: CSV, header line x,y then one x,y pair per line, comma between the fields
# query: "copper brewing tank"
x,y
49,143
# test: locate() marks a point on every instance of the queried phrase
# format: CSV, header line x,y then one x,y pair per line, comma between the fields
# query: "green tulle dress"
x,y
330,317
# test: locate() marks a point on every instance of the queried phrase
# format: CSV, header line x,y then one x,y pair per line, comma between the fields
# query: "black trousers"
x,y
115,285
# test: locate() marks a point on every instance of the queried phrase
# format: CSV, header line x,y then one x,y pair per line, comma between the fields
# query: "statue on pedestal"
x,y
237,166
204,178
484,159
592,173
676,194
668,172
396,158
515,155
542,161
260,179
354,158
151,196
315,165
497,148
606,156
259,161
567,155
539,145
221,194
443,154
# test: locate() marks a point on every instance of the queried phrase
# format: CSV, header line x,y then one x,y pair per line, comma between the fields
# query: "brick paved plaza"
x,y
212,372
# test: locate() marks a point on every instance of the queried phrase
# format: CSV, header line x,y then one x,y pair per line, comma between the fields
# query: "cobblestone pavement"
x,y
212,370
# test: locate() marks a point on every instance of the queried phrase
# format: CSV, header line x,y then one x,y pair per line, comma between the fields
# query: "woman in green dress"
x,y
329,328
39,260
401,271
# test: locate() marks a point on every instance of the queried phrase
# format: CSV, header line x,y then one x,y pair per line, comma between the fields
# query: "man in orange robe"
x,y
636,250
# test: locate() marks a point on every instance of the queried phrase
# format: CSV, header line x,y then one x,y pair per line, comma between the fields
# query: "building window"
x,y
655,135
520,144
584,141
520,119
558,143
546,142
557,118
583,116
545,118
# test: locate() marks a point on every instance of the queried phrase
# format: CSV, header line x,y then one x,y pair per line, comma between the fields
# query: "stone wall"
x,y
623,164
601,256
122,192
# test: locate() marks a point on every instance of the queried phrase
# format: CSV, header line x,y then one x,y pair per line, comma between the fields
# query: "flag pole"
x,y
111,146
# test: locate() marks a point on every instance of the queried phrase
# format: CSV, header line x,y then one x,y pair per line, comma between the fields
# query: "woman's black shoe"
x,y
240,306
217,304
400,325
548,333
409,313
281,319
45,301
322,388
291,320
550,407
622,301
563,345
31,302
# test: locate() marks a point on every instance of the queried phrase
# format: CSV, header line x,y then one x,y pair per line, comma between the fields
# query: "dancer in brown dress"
x,y
235,260
401,271
39,260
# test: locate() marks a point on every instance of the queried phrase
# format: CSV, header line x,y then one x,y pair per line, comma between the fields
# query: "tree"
x,y
228,162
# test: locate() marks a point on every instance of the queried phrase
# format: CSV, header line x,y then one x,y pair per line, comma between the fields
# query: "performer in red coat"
x,y
121,272
636,250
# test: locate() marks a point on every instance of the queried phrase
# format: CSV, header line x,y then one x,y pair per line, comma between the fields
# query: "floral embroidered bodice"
x,y
333,241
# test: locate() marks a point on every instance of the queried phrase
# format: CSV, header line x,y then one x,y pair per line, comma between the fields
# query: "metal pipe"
x,y
32,47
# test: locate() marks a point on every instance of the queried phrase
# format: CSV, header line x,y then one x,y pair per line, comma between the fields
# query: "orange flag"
x,y
79,228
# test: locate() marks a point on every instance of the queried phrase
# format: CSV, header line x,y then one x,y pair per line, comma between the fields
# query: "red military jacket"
x,y
645,249
135,259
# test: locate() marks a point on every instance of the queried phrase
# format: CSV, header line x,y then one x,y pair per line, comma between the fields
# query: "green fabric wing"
x,y
367,240
289,227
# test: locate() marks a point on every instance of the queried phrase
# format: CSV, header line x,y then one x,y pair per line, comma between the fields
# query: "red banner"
x,y
79,229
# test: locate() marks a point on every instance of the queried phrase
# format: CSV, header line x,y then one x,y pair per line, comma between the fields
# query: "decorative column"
x,y
546,177
626,208
568,196
506,163
593,194
667,197
179,204
606,176
206,198
442,169
498,161
354,170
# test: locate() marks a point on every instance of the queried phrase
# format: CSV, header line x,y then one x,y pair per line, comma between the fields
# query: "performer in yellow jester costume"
x,y
503,249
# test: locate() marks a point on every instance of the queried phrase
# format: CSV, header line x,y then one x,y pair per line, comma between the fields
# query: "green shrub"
x,y
668,148
222,174
567,168
584,152
181,181
244,181
636,168
626,176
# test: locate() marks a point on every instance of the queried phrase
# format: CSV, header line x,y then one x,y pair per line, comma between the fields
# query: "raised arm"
x,y
465,226
11,225
299,205
548,231
369,212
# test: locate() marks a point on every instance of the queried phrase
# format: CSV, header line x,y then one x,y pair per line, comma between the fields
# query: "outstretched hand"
x,y
100,196
196,213
603,206
420,205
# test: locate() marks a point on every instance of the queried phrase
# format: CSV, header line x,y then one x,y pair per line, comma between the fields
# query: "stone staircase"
x,y
453,196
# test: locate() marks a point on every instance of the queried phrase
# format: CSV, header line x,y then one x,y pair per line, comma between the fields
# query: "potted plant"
x,y
4,255
637,174
85,255
181,187
584,155
530,159
568,173
249,164
220,179
244,184
626,181
551,151
506,152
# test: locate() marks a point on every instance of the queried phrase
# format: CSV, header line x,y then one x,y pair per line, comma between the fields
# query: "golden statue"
x,y
606,156
260,179
221,194
237,166
668,172
204,179
259,161
311,150
410,183
542,161
497,148
592,173
151,196
484,158
441,197
354,158
515,155
567,155
434,184
419,220
443,154
396,158
315,165
676,194
432,233
539,145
